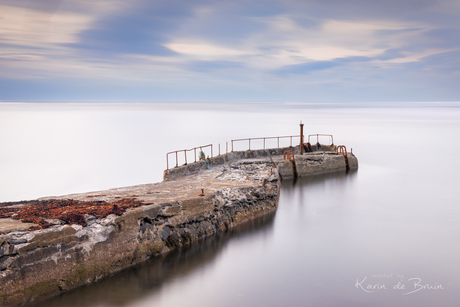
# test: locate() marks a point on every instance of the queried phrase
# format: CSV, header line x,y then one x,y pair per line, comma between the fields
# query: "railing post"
x,y
301,138
233,148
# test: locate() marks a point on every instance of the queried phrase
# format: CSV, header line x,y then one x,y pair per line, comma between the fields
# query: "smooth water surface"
x,y
392,223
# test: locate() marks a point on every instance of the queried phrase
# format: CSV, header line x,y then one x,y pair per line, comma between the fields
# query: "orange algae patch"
x,y
45,213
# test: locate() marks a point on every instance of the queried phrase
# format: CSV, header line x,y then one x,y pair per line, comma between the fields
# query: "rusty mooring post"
x,y
301,138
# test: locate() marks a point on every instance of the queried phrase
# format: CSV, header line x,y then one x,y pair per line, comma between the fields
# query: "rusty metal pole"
x,y
301,138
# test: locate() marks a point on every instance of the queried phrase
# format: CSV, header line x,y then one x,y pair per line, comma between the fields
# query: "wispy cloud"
x,y
31,28
36,39
244,46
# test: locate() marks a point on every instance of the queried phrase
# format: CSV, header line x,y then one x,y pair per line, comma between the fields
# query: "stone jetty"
x,y
40,260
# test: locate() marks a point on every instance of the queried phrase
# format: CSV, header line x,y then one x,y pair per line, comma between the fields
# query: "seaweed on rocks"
x,y
46,213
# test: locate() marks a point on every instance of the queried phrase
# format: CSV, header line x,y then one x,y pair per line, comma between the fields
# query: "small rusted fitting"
x,y
289,154
202,192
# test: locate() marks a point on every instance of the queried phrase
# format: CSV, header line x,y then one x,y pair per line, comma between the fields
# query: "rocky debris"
x,y
165,233
249,170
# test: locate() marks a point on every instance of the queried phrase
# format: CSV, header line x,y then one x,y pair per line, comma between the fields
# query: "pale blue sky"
x,y
311,50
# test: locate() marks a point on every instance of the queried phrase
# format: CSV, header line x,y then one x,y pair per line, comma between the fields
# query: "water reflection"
x,y
147,278
329,178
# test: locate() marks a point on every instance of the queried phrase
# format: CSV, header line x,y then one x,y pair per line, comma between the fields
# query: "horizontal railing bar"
x,y
199,147
185,154
320,134
269,137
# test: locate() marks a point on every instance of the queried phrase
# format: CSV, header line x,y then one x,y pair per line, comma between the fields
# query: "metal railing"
x,y
318,135
266,138
290,137
185,154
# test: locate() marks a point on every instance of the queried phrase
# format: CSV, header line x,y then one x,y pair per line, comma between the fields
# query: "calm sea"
x,y
384,235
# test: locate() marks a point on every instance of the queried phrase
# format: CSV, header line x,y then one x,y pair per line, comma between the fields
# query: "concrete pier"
x,y
192,202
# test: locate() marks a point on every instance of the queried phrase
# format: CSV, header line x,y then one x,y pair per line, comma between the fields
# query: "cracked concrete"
x,y
192,202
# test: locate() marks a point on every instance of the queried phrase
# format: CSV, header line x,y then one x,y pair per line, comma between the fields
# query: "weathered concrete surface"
x,y
322,159
10,224
315,163
38,264
242,185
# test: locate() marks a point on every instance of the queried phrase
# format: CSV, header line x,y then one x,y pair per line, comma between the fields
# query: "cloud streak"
x,y
249,48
